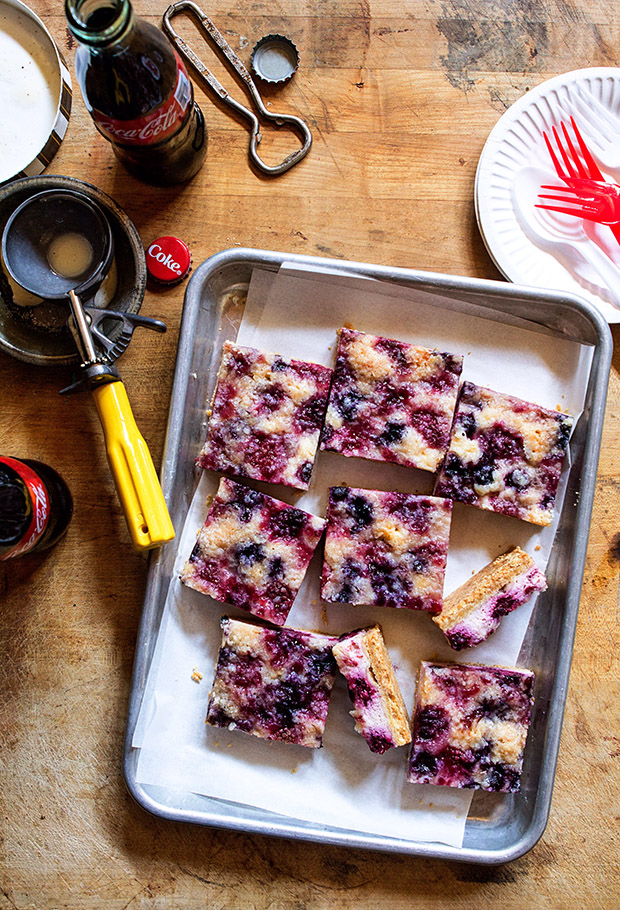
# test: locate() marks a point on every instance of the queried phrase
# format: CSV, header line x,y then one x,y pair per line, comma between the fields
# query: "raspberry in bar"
x,y
273,683
470,725
253,551
385,549
505,455
391,401
472,612
378,706
266,417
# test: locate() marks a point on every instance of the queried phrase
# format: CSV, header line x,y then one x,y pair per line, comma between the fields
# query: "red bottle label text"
x,y
154,127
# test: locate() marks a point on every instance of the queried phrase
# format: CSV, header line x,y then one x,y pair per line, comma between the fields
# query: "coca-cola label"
x,y
165,259
154,127
40,508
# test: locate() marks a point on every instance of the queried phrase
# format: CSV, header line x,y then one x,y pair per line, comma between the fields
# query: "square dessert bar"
x,y
266,417
391,401
378,706
385,549
472,612
470,725
273,683
505,455
253,551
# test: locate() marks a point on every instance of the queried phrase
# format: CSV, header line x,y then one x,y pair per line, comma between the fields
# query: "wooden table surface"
x,y
400,97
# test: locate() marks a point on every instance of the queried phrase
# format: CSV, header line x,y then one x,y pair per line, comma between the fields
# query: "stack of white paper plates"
x,y
517,142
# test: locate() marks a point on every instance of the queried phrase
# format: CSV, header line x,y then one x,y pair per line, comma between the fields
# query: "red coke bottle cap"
x,y
168,260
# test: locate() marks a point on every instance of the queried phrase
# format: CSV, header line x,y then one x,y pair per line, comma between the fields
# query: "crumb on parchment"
x,y
196,675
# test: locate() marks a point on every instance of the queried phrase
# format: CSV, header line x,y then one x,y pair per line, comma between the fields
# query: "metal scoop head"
x,y
56,242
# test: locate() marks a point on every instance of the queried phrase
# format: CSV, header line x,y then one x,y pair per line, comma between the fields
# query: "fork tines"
x,y
583,166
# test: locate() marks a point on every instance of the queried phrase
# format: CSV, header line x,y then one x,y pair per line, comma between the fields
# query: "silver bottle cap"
x,y
274,59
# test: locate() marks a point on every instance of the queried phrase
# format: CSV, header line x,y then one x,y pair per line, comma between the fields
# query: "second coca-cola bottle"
x,y
137,91
35,506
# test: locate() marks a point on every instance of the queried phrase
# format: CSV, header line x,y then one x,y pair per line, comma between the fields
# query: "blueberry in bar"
x,y
272,683
378,707
253,551
470,725
391,401
266,417
385,549
472,612
505,455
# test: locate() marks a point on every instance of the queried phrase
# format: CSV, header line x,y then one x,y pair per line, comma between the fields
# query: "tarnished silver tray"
x,y
499,828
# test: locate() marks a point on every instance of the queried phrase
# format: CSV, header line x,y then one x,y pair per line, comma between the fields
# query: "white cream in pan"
x,y
29,89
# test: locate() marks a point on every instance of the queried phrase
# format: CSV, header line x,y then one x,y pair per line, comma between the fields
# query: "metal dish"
x,y
499,828
36,98
38,334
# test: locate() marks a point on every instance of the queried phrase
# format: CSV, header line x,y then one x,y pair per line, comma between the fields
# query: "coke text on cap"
x,y
168,260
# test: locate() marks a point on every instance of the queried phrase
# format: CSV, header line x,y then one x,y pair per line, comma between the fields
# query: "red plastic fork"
x,y
593,200
575,166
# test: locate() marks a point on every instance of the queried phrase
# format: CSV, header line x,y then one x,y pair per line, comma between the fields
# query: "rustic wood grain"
x,y
400,97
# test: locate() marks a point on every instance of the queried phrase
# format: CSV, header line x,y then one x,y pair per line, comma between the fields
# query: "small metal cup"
x,y
32,228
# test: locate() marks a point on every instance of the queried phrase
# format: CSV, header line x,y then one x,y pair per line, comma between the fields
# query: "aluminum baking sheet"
x,y
499,828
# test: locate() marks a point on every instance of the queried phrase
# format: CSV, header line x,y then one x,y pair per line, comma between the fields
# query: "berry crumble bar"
x,y
505,455
470,726
385,549
253,551
472,612
379,710
266,417
272,683
391,401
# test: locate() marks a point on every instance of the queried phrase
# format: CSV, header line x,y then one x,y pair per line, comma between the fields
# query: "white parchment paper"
x,y
297,313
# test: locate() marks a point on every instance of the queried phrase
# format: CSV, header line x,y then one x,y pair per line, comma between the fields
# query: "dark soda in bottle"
x,y
137,91
35,506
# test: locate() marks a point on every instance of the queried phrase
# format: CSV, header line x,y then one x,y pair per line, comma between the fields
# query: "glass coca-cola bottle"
x,y
35,506
137,91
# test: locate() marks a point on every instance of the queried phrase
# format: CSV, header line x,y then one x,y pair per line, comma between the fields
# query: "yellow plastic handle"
x,y
136,481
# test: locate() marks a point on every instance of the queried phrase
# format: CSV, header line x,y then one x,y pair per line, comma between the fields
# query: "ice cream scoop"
x,y
59,244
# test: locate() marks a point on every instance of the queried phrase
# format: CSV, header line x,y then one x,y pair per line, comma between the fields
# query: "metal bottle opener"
x,y
210,30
